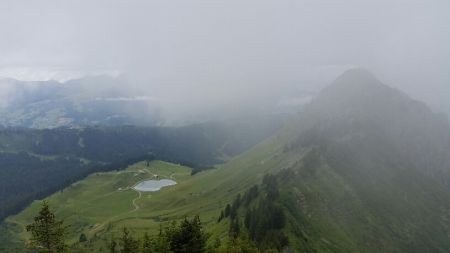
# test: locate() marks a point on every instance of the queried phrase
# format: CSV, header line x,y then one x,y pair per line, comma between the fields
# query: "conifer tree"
x,y
222,215
47,232
82,238
188,237
128,243
227,210
148,244
112,246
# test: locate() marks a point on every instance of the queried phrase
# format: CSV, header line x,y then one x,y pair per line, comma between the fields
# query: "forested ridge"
x,y
35,163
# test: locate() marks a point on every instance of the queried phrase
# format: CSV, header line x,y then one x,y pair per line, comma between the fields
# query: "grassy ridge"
x,y
101,204
343,195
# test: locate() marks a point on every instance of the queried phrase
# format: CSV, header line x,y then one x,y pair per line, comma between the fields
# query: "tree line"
x,y
257,217
256,220
36,163
48,235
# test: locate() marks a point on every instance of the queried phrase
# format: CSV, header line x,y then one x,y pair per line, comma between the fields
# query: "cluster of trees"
x,y
187,236
264,218
48,235
24,177
112,144
261,233
231,210
36,163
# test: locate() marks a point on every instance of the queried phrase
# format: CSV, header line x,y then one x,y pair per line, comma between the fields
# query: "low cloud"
x,y
211,54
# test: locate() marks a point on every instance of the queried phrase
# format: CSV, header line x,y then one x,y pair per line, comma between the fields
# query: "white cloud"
x,y
216,51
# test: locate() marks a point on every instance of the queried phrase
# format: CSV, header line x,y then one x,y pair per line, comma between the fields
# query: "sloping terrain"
x,y
104,201
363,168
35,163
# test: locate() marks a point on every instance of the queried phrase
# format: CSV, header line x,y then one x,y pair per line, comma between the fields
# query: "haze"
x,y
216,53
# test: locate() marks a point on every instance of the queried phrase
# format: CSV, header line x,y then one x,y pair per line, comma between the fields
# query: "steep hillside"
x,y
363,168
379,170
35,163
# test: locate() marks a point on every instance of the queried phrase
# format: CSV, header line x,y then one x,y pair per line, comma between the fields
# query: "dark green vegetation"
x,y
47,233
36,163
258,216
48,236
187,236
363,168
103,203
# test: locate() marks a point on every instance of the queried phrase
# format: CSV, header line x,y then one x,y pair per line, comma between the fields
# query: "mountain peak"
x,y
359,87
358,82
359,94
360,74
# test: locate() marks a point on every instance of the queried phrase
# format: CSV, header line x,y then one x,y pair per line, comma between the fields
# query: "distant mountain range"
x,y
109,101
99,100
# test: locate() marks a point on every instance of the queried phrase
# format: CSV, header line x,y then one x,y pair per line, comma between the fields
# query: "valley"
x,y
331,180
224,126
100,205
36,163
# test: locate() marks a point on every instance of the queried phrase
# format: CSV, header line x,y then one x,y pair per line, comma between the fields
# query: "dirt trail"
x,y
99,226
136,207
134,201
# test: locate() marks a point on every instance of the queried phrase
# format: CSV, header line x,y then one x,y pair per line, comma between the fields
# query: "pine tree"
x,y
222,215
148,244
227,210
47,233
241,244
163,243
237,201
128,243
188,237
248,218
235,227
82,238
112,246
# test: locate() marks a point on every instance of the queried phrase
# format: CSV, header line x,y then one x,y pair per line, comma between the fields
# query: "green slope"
x,y
95,206
352,178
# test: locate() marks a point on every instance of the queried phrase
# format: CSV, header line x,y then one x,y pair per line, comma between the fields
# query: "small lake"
x,y
153,185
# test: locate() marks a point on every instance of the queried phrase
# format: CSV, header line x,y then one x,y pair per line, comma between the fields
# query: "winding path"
x,y
134,201
136,207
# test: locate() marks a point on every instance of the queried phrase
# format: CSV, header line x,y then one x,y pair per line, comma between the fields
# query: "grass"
x,y
102,204
328,210
102,200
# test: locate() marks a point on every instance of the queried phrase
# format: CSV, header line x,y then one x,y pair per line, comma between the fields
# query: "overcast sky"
x,y
224,49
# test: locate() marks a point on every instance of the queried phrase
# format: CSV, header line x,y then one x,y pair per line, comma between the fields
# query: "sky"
x,y
216,52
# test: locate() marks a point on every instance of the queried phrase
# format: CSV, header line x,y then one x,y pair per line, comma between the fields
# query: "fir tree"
x,y
222,215
148,244
112,246
128,243
82,238
227,210
47,233
188,237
